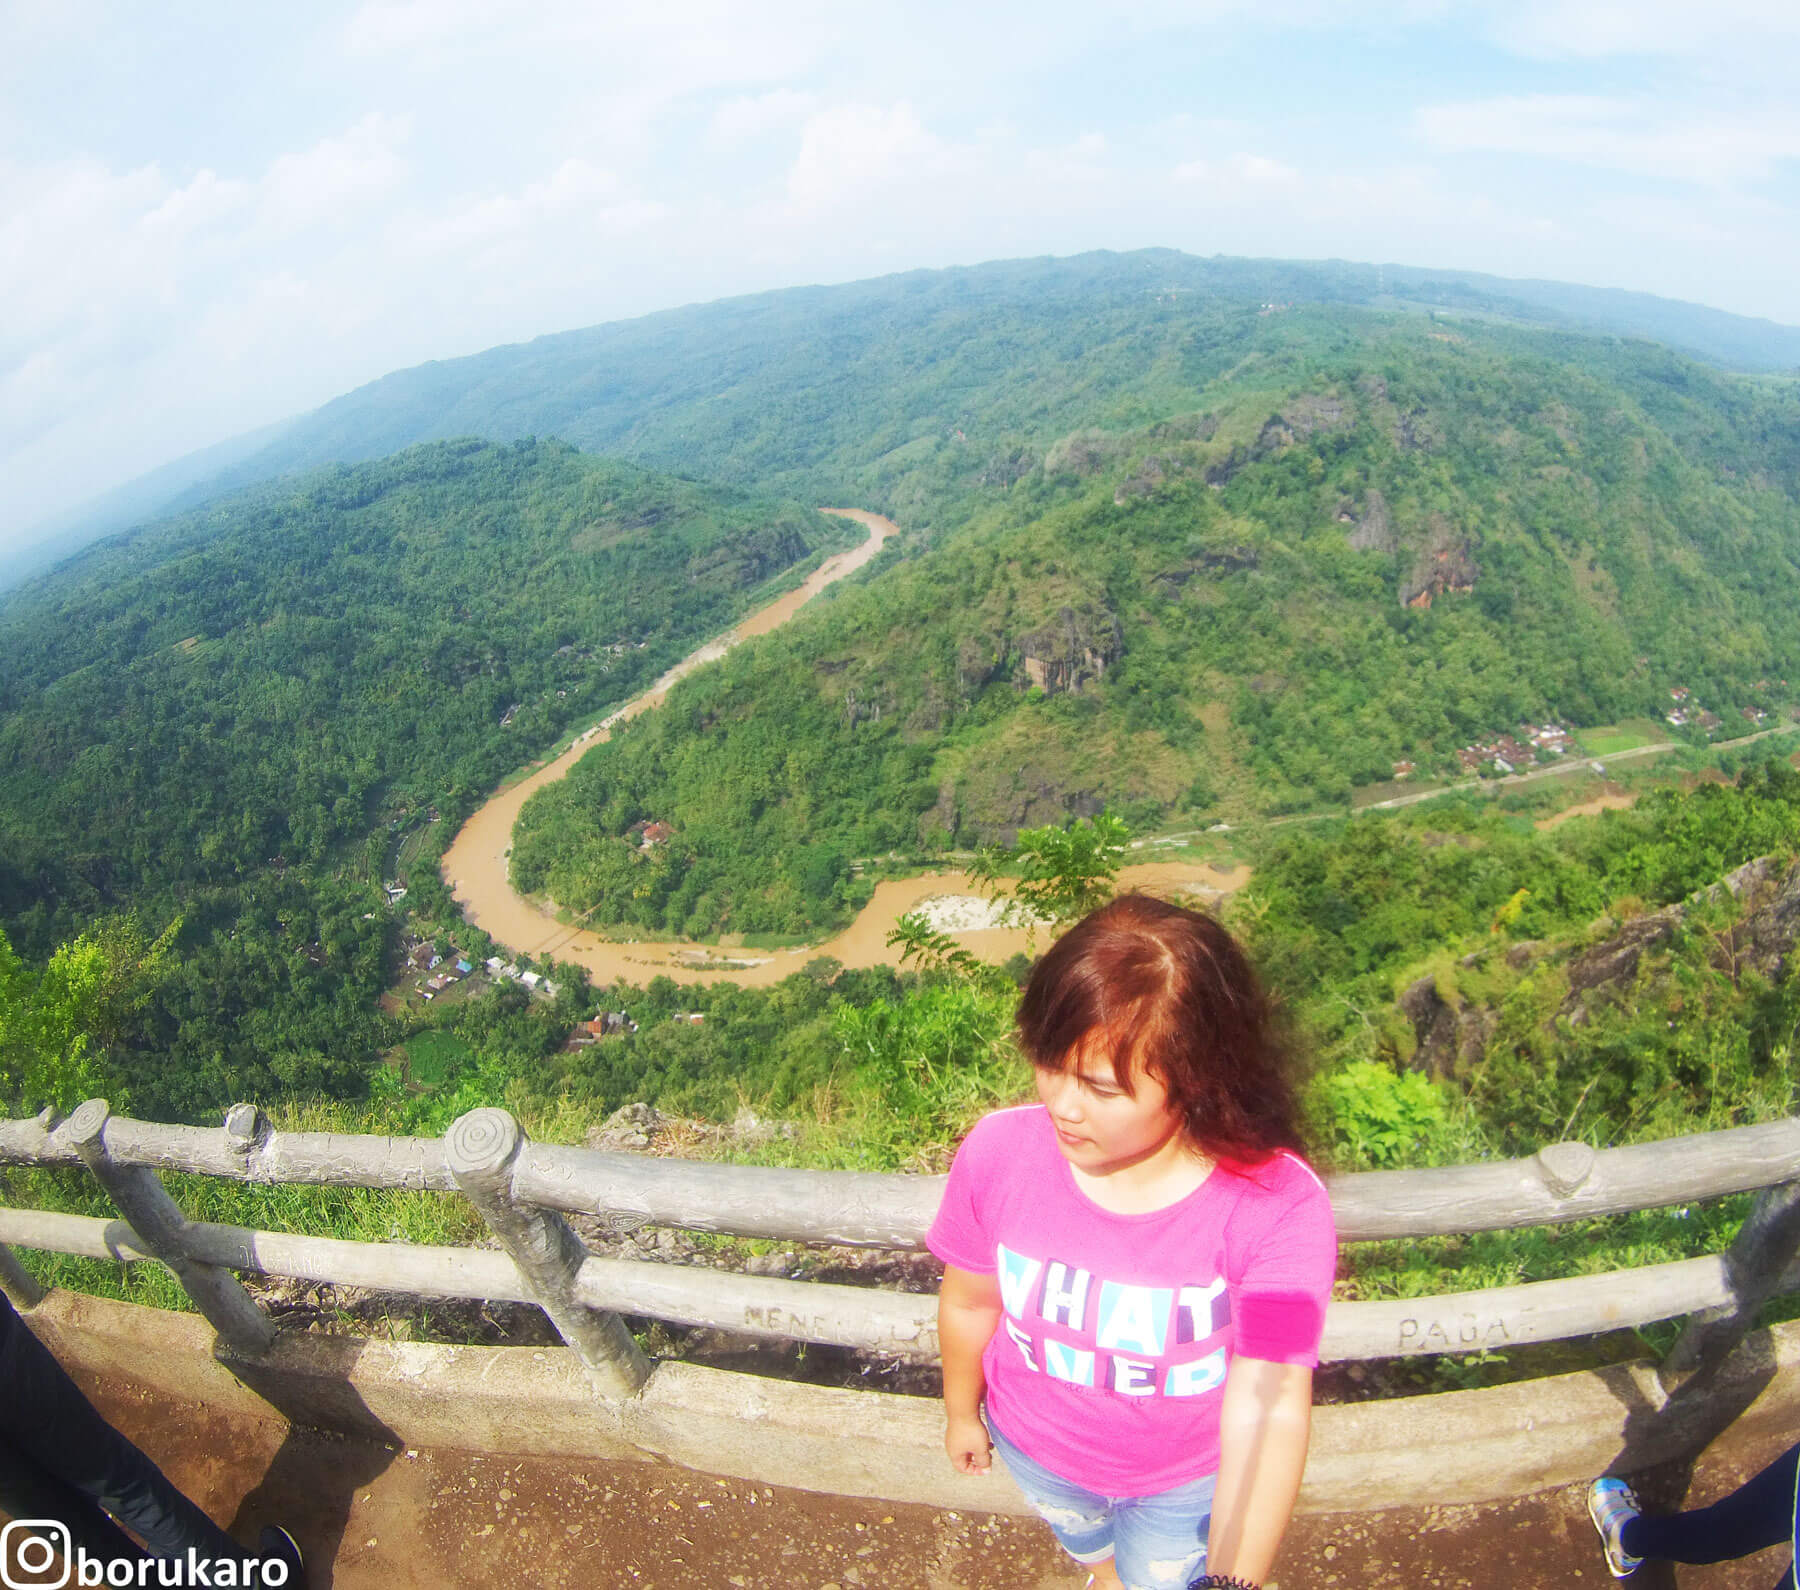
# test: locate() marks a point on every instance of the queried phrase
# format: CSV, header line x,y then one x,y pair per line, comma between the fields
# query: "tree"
x,y
58,1027
1062,873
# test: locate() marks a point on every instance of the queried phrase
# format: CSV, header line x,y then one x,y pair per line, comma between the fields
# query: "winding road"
x,y
476,870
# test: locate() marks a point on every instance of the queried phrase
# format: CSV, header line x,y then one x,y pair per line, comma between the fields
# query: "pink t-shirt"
x,y
1109,1363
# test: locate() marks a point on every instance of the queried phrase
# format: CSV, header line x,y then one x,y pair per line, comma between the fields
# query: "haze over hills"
x,y
813,388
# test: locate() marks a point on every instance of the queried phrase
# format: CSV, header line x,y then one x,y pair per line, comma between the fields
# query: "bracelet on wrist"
x,y
1221,1581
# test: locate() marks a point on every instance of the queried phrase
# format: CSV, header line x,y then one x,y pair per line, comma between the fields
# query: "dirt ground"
x,y
372,1517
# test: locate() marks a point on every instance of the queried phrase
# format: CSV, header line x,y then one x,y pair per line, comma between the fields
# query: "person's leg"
x,y
49,1424
26,1491
1159,1541
1757,1515
1080,1519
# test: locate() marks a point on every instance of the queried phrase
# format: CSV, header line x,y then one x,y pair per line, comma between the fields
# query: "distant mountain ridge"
x,y
754,390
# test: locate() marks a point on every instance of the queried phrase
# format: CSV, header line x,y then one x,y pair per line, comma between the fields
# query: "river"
x,y
475,866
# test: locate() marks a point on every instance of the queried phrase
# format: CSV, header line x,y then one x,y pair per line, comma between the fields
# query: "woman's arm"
x,y
1263,1430
968,1315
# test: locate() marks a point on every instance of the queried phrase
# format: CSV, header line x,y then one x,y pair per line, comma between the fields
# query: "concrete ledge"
x,y
1457,1447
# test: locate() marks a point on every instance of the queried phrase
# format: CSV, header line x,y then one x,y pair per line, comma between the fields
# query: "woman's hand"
x,y
968,1312
966,1440
1264,1423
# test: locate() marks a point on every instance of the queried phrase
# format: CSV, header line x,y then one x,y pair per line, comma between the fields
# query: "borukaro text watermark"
x,y
39,1554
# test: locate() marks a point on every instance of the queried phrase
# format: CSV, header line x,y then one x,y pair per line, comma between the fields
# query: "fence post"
x,y
17,1282
141,1198
1764,1247
481,1149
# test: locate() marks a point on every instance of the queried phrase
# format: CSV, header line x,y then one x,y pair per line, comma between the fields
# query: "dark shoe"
x,y
275,1545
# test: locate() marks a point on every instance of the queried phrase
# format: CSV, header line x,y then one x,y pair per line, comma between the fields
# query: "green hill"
x,y
285,675
1342,538
1183,539
831,391
246,719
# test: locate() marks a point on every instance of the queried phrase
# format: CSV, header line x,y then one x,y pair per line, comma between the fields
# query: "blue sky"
x,y
214,216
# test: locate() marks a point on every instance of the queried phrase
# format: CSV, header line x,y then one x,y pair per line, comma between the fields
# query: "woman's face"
x,y
1100,1127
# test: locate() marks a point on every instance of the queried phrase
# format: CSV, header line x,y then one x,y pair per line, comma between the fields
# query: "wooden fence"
x,y
523,1190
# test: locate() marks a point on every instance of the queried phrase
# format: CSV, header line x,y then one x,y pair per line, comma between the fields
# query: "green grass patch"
x,y
1614,738
434,1056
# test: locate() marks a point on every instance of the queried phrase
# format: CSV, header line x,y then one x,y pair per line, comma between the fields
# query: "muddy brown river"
x,y
475,866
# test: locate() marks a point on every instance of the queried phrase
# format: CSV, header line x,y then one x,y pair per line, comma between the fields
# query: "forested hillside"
x,y
1200,555
853,391
235,720
1344,540
1197,555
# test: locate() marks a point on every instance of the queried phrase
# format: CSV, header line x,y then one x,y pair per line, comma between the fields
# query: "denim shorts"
x,y
1156,1542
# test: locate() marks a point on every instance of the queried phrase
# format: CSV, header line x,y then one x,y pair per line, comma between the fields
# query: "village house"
x,y
608,1024
1404,770
1679,693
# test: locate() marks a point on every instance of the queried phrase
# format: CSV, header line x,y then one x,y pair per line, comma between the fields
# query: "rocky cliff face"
x,y
1761,939
1446,563
1451,1035
1072,649
1300,419
1372,530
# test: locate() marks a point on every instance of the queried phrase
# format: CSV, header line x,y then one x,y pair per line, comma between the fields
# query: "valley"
x,y
476,864
1332,604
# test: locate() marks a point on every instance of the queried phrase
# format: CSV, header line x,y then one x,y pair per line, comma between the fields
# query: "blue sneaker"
x,y
1612,1504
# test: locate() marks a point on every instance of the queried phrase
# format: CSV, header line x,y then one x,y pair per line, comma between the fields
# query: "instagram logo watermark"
x,y
39,1554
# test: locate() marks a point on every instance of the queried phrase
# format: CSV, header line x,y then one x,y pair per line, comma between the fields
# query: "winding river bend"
x,y
475,866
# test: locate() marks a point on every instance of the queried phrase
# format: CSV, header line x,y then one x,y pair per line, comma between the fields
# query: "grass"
x,y
852,1123
1612,738
434,1055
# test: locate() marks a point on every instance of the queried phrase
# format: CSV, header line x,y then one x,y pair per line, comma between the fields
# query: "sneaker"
x,y
1612,1504
275,1544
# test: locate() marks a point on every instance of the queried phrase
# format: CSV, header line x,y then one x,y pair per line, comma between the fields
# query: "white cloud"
x,y
391,27
1238,173
1596,29
755,115
208,200
573,188
1716,148
850,149
413,179
336,175
1084,160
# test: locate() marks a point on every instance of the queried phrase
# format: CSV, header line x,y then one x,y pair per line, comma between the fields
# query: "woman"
x,y
1137,1267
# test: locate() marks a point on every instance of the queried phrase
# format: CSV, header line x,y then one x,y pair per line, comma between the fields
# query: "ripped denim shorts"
x,y
1157,1542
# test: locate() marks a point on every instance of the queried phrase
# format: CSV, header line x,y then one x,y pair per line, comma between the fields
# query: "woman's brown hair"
x,y
1173,994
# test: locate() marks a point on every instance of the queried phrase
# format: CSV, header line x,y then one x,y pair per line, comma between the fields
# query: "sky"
x,y
215,216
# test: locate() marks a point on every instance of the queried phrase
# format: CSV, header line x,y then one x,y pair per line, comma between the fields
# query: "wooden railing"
x,y
523,1189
